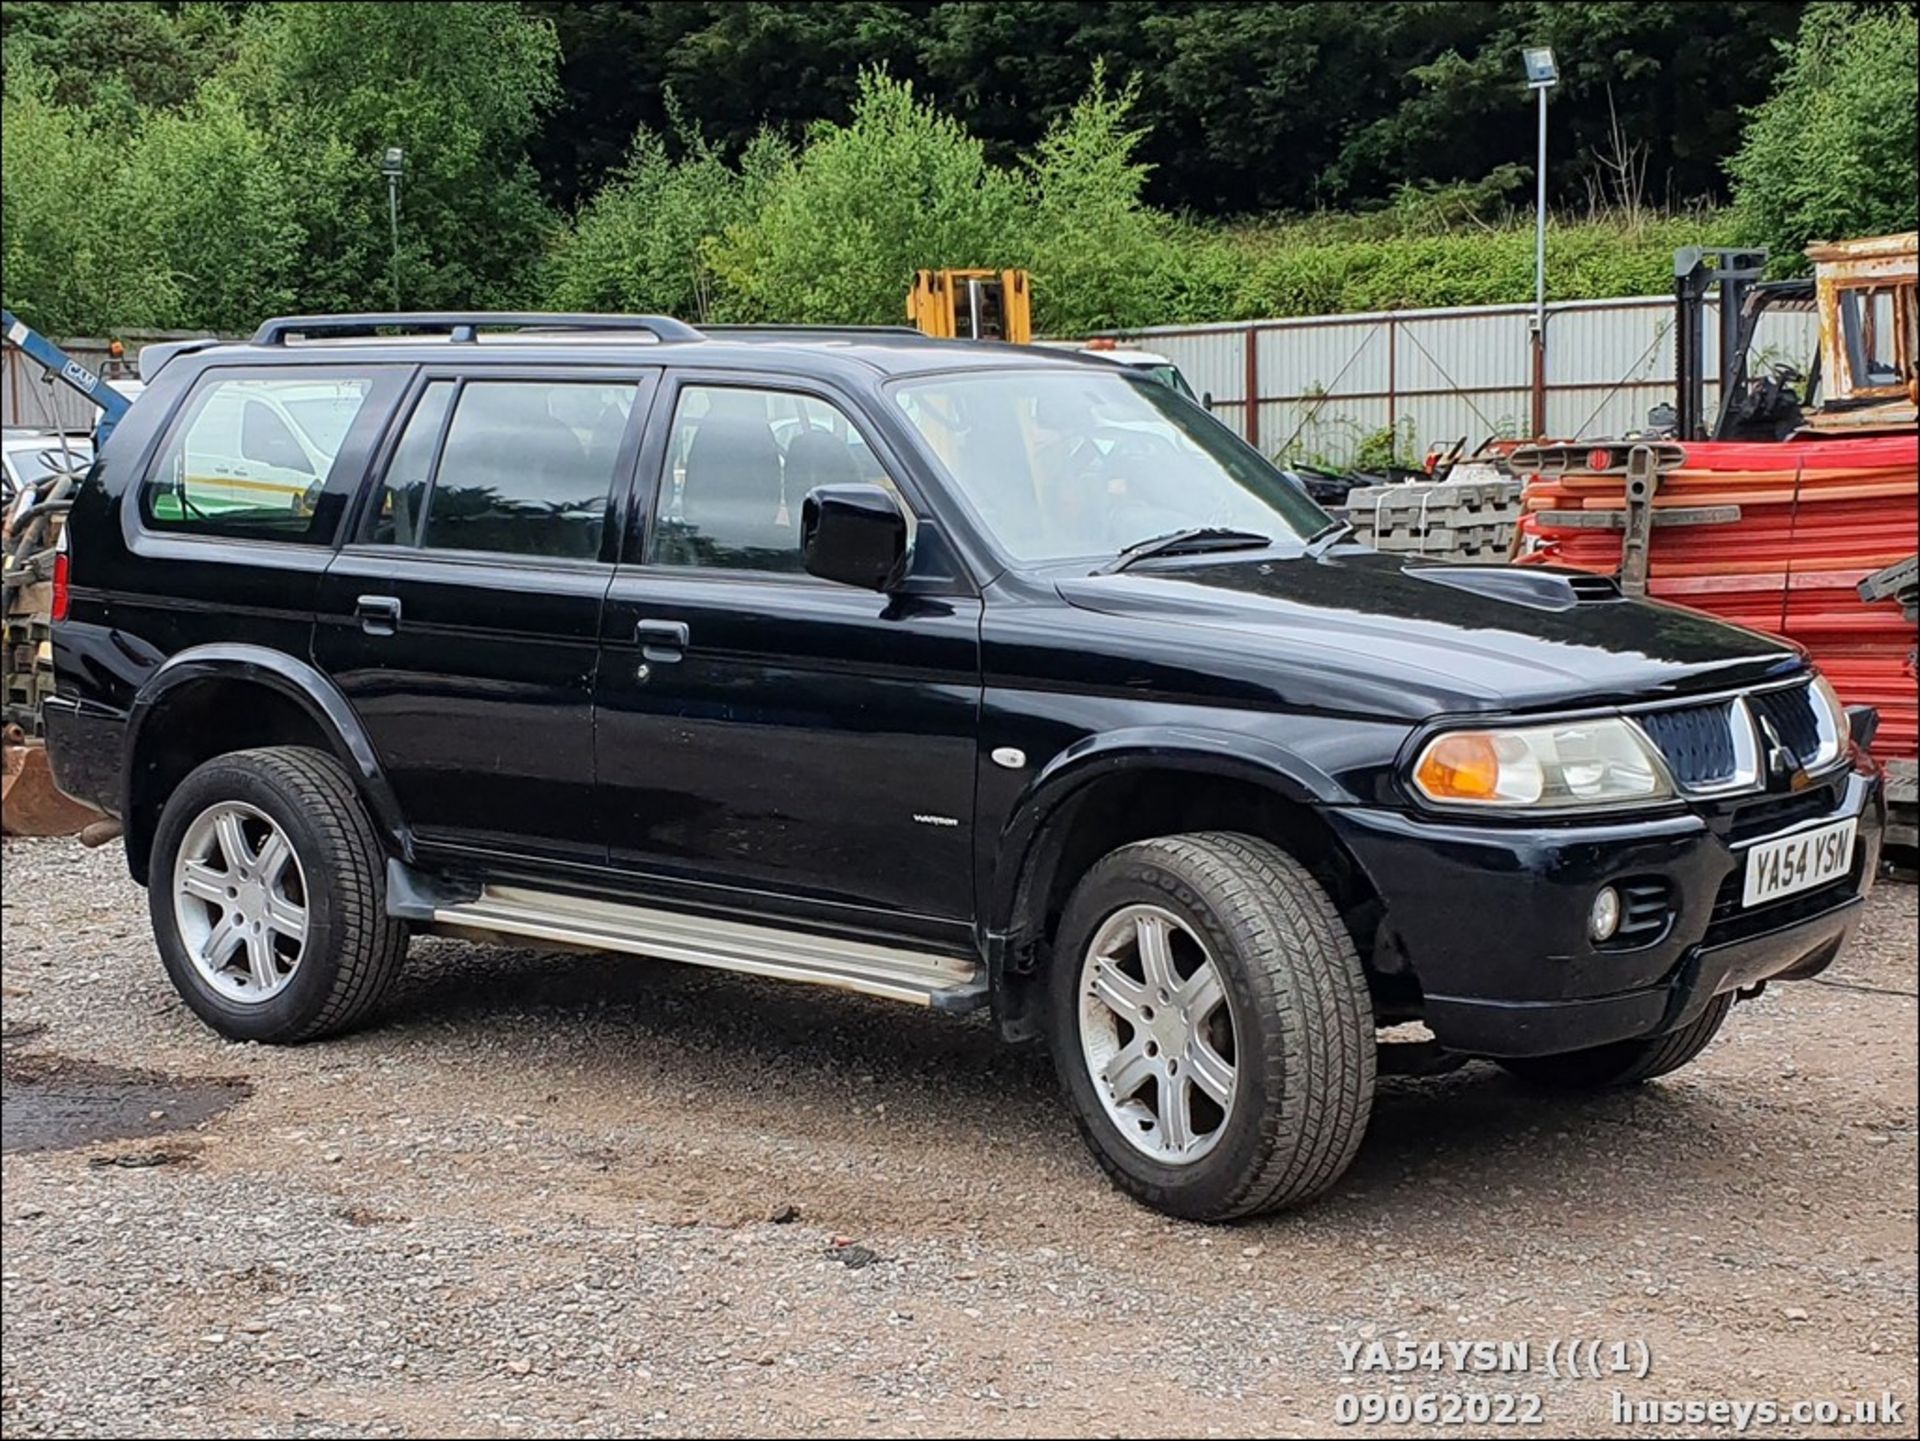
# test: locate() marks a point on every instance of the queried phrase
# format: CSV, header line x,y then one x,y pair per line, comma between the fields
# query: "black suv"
x,y
966,675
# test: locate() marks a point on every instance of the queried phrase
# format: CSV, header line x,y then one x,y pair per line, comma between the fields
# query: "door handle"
x,y
661,640
379,614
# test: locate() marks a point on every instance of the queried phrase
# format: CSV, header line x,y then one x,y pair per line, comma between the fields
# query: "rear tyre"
x,y
1211,1025
267,889
1623,1063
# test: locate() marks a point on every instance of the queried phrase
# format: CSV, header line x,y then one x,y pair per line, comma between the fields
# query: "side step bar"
x,y
943,982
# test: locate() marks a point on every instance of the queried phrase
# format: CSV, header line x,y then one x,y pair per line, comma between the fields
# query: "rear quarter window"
x,y
254,457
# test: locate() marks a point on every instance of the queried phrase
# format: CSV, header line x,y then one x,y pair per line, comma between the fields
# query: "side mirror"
x,y
1206,399
854,534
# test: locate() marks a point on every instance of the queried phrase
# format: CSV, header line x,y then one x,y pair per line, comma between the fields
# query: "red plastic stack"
x,y
1816,518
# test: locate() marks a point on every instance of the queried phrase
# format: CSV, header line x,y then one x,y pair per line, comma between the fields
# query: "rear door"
x,y
462,620
219,546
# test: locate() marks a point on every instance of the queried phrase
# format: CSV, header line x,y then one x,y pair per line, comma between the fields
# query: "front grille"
x,y
1793,718
1697,741
1731,922
1780,813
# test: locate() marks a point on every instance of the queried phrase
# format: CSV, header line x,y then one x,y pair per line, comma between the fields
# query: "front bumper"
x,y
1489,922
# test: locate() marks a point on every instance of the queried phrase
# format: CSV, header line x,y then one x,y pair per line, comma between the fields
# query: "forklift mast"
x,y
1697,270
972,305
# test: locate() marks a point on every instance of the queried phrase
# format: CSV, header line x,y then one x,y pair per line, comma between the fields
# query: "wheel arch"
x,y
179,721
1133,786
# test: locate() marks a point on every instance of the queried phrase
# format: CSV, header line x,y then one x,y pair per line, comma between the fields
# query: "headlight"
x,y
1831,716
1605,761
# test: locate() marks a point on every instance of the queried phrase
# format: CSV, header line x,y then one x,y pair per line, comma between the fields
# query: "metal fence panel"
x,y
1590,415
1336,356
1329,384
1596,346
1437,421
28,396
1786,337
1214,364
1439,353
1315,432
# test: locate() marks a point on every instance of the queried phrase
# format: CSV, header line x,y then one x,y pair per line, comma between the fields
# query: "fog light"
x,y
1604,919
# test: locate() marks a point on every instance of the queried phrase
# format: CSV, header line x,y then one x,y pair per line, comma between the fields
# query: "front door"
x,y
768,741
463,620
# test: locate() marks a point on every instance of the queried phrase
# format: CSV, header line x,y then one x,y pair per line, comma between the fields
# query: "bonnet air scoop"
x,y
1540,589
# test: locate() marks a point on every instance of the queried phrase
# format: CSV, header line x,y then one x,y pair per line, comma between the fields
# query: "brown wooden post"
x,y
1253,386
1393,368
1540,383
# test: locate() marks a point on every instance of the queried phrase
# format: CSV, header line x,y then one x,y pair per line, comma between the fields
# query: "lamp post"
x,y
392,162
1542,76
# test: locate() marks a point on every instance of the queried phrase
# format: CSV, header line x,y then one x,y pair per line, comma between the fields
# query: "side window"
x,y
240,463
739,465
525,469
403,498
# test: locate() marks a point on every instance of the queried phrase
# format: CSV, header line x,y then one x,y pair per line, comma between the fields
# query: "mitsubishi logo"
x,y
1782,763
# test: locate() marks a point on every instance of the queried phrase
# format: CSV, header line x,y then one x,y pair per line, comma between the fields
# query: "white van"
x,y
256,445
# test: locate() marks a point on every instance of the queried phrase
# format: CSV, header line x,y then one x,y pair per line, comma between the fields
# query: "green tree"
x,y
1247,107
115,57
62,266
1013,69
644,242
198,164
1830,154
202,192
460,87
736,68
899,187
1441,98
1095,245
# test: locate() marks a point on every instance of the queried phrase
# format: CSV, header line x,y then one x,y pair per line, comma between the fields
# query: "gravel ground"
x,y
584,1195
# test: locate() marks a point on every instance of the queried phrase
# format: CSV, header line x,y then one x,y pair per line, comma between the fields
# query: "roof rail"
x,y
748,328
464,325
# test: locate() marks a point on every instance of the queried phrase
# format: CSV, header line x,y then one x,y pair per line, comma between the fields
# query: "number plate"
x,y
1798,862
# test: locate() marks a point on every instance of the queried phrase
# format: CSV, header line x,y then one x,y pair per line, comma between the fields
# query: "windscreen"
x,y
1060,466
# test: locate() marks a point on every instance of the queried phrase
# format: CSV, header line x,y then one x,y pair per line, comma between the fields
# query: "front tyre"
x,y
267,891
1211,1024
1622,1063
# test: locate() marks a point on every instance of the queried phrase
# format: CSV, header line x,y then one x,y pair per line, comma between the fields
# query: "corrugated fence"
x,y
27,397
1323,384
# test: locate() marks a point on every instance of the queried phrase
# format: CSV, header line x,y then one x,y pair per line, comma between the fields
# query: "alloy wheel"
x,y
1157,1035
240,902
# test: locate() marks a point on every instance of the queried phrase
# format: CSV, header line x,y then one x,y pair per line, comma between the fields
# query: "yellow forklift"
x,y
972,305
997,305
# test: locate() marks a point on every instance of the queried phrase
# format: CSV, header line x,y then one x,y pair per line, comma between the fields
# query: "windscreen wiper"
x,y
1328,536
1191,541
